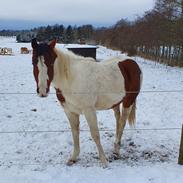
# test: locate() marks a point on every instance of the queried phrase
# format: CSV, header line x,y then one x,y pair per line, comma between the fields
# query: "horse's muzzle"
x,y
42,94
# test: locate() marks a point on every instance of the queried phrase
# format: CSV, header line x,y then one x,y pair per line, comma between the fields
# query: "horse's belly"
x,y
111,90
107,101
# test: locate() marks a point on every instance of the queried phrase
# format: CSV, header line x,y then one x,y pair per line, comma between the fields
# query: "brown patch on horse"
x,y
131,73
60,96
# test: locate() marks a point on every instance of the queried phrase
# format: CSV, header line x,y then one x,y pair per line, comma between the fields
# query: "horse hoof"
x,y
104,165
116,156
71,162
113,157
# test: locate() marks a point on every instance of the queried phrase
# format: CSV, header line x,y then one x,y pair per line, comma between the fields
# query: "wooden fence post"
x,y
180,160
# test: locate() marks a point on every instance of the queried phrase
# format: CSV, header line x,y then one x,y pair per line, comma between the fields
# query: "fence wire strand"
x,y
85,130
77,93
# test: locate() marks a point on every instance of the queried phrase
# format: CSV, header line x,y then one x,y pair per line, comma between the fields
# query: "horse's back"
x,y
113,60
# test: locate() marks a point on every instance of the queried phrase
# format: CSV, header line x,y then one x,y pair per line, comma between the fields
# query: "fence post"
x,y
180,160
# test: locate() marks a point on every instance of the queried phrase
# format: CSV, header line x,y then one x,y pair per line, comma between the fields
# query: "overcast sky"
x,y
97,12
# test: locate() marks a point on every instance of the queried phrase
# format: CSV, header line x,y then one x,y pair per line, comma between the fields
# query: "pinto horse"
x,y
84,86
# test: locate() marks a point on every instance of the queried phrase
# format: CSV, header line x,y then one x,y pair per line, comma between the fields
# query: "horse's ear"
x,y
53,43
34,43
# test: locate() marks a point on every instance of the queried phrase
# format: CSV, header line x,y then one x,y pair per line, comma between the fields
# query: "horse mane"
x,y
72,56
67,58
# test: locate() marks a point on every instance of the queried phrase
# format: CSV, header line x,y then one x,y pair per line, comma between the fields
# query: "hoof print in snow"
x,y
34,110
132,144
147,154
9,116
60,153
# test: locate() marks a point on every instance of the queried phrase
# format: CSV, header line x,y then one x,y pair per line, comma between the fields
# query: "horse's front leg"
x,y
74,123
91,118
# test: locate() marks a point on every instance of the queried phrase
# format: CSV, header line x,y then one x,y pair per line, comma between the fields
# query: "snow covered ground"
x,y
147,155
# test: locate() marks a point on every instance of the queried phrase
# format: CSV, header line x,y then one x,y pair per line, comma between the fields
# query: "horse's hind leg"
x,y
74,123
117,116
91,118
119,130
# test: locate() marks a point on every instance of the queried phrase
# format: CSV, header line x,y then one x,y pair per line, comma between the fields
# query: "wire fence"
x,y
10,163
85,130
128,92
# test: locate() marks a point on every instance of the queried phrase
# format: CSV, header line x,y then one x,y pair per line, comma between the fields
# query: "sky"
x,y
19,13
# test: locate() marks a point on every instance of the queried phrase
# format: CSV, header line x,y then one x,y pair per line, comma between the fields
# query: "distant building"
x,y
84,50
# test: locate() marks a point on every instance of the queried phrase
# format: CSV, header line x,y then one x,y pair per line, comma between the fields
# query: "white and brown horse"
x,y
83,86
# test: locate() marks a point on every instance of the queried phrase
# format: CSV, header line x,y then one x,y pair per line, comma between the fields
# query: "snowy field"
x,y
39,157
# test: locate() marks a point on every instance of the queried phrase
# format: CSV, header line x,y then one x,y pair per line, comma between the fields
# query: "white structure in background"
x,y
6,51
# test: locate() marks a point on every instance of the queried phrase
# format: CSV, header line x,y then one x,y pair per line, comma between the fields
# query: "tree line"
x,y
8,33
69,34
157,35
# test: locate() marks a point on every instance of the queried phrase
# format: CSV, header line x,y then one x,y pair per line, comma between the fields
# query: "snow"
x,y
147,155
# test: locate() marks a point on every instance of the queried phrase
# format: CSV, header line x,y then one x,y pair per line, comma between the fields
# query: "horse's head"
x,y
43,58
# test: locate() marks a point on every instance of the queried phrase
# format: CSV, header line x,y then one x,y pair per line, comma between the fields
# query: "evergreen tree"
x,y
69,34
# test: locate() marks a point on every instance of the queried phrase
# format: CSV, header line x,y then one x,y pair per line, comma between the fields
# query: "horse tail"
x,y
132,114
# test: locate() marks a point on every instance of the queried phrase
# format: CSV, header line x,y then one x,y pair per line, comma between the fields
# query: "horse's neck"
x,y
66,68
62,73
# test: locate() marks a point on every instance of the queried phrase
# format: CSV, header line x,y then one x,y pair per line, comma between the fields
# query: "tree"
x,y
69,35
58,32
157,35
